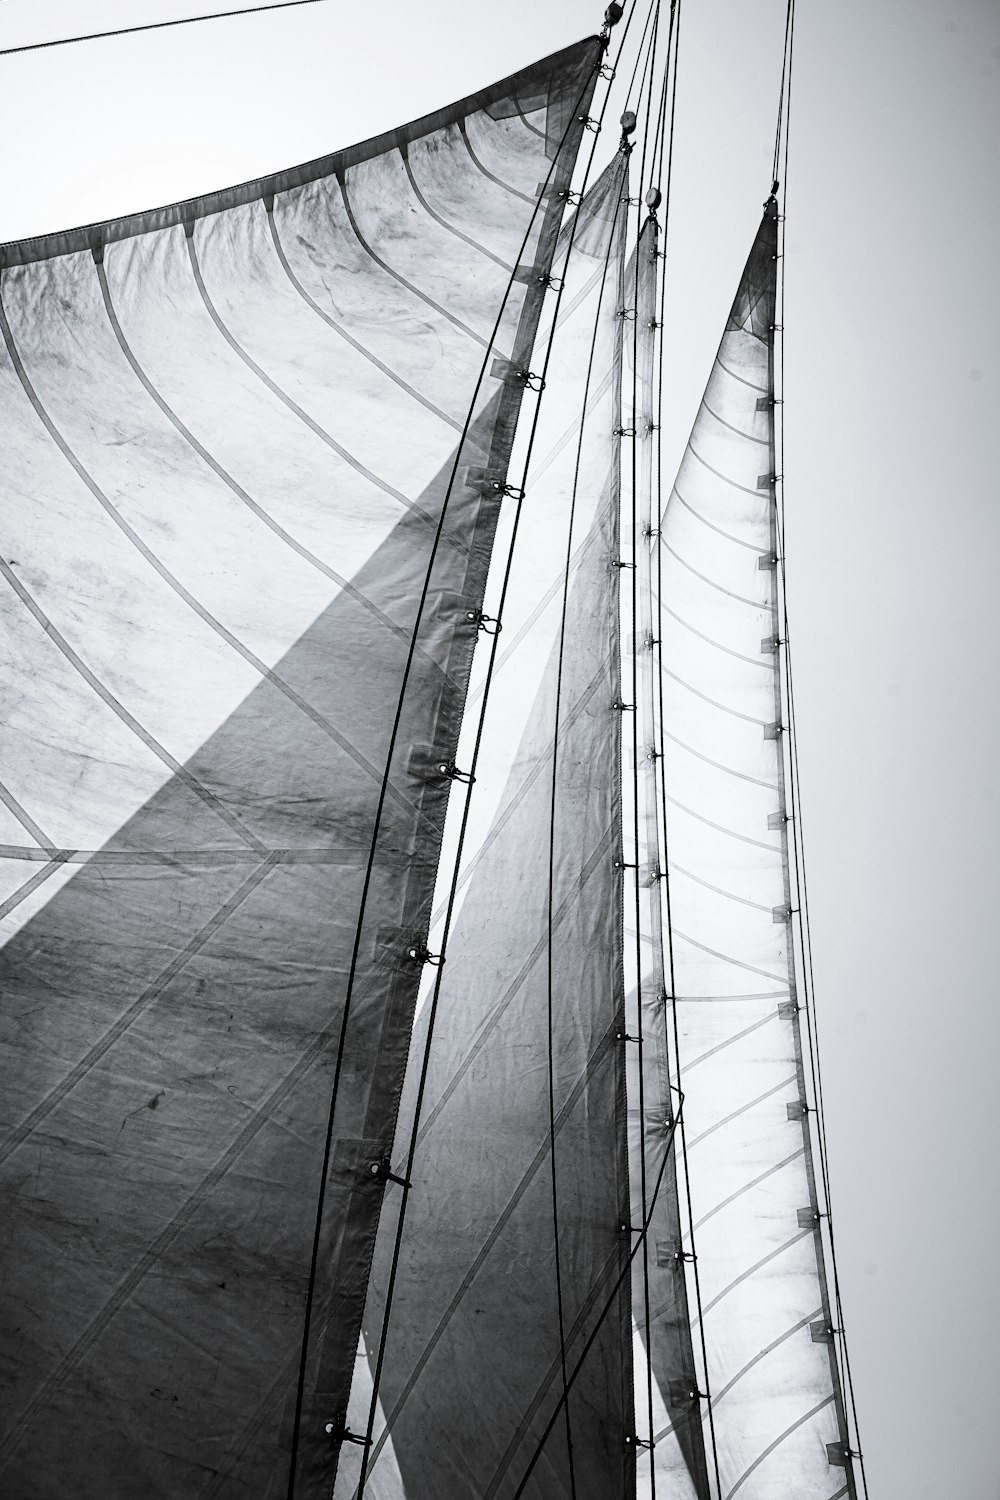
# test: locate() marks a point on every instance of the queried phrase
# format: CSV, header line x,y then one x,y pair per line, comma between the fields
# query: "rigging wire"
x,y
217,15
798,838
368,1455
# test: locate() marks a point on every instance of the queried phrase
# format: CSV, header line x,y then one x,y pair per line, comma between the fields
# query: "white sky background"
x,y
892,327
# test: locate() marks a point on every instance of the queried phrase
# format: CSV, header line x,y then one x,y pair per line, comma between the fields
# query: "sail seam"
x,y
769,786
753,661
738,1036
744,489
771,1447
223,474
738,541
439,219
728,1119
174,583
713,702
396,276
515,192
740,598
729,895
293,406
775,1343
752,1271
749,1186
349,338
744,838
128,719
23,892
24,818
728,958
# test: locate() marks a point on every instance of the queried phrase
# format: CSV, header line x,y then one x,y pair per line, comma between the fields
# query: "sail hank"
x,y
764,1313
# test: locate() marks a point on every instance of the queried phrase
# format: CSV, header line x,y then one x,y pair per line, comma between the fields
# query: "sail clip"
x,y
589,123
488,624
419,953
632,1440
382,1172
623,708
448,768
339,1432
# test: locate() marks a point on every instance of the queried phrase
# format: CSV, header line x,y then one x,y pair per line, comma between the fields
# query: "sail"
x,y
500,1309
254,451
666,1379
776,1422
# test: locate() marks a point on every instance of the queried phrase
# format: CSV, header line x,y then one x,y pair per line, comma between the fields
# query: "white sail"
x,y
776,1421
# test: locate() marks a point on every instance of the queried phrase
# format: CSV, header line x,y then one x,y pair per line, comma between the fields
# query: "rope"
x,y
453,889
94,36
798,837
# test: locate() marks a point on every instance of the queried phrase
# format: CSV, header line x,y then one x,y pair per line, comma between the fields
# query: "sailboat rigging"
x,y
409,1079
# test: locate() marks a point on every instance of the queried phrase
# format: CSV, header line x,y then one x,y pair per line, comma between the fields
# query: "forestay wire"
x,y
96,36
855,1457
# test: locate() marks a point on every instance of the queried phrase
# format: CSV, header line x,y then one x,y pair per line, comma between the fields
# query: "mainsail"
x,y
364,1132
256,446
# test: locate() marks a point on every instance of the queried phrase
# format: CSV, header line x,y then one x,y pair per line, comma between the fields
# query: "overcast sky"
x,y
893,250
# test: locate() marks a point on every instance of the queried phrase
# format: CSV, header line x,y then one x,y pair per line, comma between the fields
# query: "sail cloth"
x,y
667,1380
776,1403
254,447
511,1255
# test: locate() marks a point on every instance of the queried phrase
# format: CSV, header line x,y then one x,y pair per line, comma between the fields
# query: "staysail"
x,y
498,1300
776,1419
255,448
